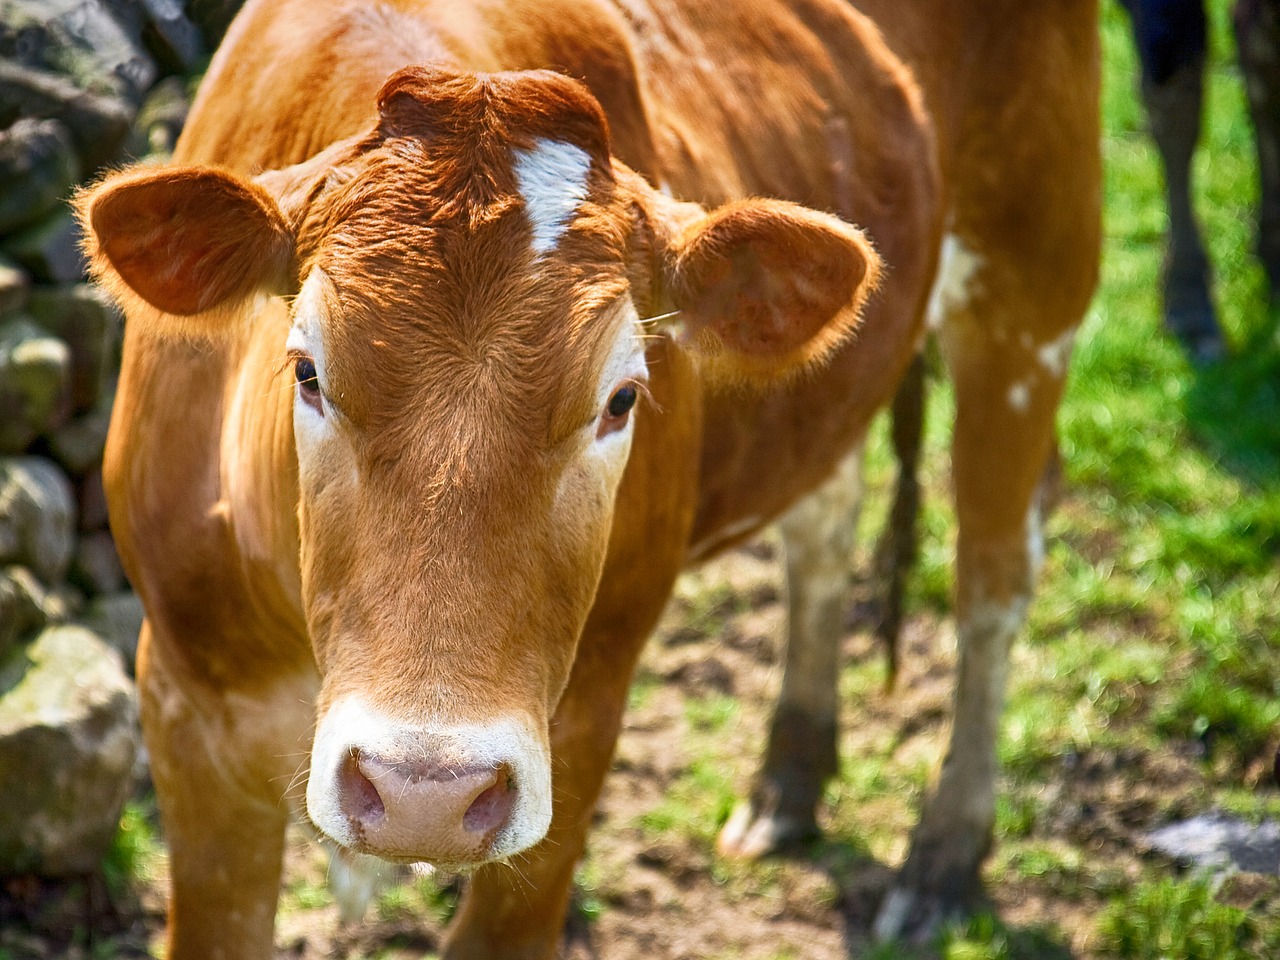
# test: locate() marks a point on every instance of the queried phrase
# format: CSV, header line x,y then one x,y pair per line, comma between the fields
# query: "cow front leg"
x,y
221,763
802,755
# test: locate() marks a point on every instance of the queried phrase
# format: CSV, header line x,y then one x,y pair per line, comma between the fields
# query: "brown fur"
x,y
447,571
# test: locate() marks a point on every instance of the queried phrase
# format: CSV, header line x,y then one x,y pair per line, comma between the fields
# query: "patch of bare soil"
x,y
652,892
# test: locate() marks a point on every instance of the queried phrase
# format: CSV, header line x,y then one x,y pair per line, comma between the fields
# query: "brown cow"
x,y
373,465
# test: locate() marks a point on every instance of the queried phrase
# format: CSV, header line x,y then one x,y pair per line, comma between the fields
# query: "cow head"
x,y
472,284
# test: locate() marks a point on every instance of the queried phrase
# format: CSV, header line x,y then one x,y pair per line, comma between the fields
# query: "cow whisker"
x,y
661,316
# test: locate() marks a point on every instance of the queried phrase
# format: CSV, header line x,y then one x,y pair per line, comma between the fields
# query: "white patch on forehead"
x,y
553,182
957,265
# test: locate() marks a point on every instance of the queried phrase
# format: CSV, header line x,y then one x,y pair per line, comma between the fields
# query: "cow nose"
x,y
420,810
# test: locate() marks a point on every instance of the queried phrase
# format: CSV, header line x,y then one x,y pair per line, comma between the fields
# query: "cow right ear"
x,y
190,243
759,289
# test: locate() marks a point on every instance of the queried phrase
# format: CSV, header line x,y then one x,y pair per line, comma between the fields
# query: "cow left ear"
x,y
761,288
190,243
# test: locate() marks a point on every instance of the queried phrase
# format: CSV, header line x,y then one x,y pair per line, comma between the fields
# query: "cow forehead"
x,y
454,257
466,148
516,357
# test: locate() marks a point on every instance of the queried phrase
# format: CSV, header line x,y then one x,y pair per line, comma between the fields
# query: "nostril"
x,y
359,797
492,807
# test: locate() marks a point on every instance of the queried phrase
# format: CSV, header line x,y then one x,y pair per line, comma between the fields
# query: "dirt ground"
x,y
653,888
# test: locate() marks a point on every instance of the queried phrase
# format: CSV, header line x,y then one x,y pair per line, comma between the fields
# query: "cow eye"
x,y
304,371
623,399
617,410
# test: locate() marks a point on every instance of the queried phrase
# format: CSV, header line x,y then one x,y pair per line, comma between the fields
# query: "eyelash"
x,y
304,373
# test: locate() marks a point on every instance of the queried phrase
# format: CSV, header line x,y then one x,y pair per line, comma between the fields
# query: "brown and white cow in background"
x,y
374,466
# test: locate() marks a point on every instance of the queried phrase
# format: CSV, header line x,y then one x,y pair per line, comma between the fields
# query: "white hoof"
x,y
749,835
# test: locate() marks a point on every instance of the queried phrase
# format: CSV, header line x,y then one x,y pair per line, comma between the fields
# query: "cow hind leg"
x,y
1009,369
1170,37
801,755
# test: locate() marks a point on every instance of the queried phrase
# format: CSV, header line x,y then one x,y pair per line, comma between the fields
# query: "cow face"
x,y
472,284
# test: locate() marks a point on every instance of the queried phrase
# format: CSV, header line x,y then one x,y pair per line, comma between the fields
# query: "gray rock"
x,y
96,569
38,169
69,727
161,119
35,371
174,39
91,502
97,123
97,45
37,517
117,619
63,603
1220,841
77,445
84,317
212,17
13,288
22,607
50,249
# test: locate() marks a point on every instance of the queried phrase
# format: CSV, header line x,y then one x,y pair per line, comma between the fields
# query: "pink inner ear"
x,y
189,241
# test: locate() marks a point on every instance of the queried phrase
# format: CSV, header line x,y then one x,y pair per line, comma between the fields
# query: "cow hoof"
x,y
752,833
914,916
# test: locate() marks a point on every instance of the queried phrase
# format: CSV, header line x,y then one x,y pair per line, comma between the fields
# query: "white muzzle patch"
x,y
352,726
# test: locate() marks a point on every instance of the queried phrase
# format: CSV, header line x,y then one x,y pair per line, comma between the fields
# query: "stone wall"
x,y
84,85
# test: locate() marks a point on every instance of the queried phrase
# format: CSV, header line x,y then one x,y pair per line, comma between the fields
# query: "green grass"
x,y
1171,919
696,805
136,850
1174,471
1158,626
425,897
710,714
